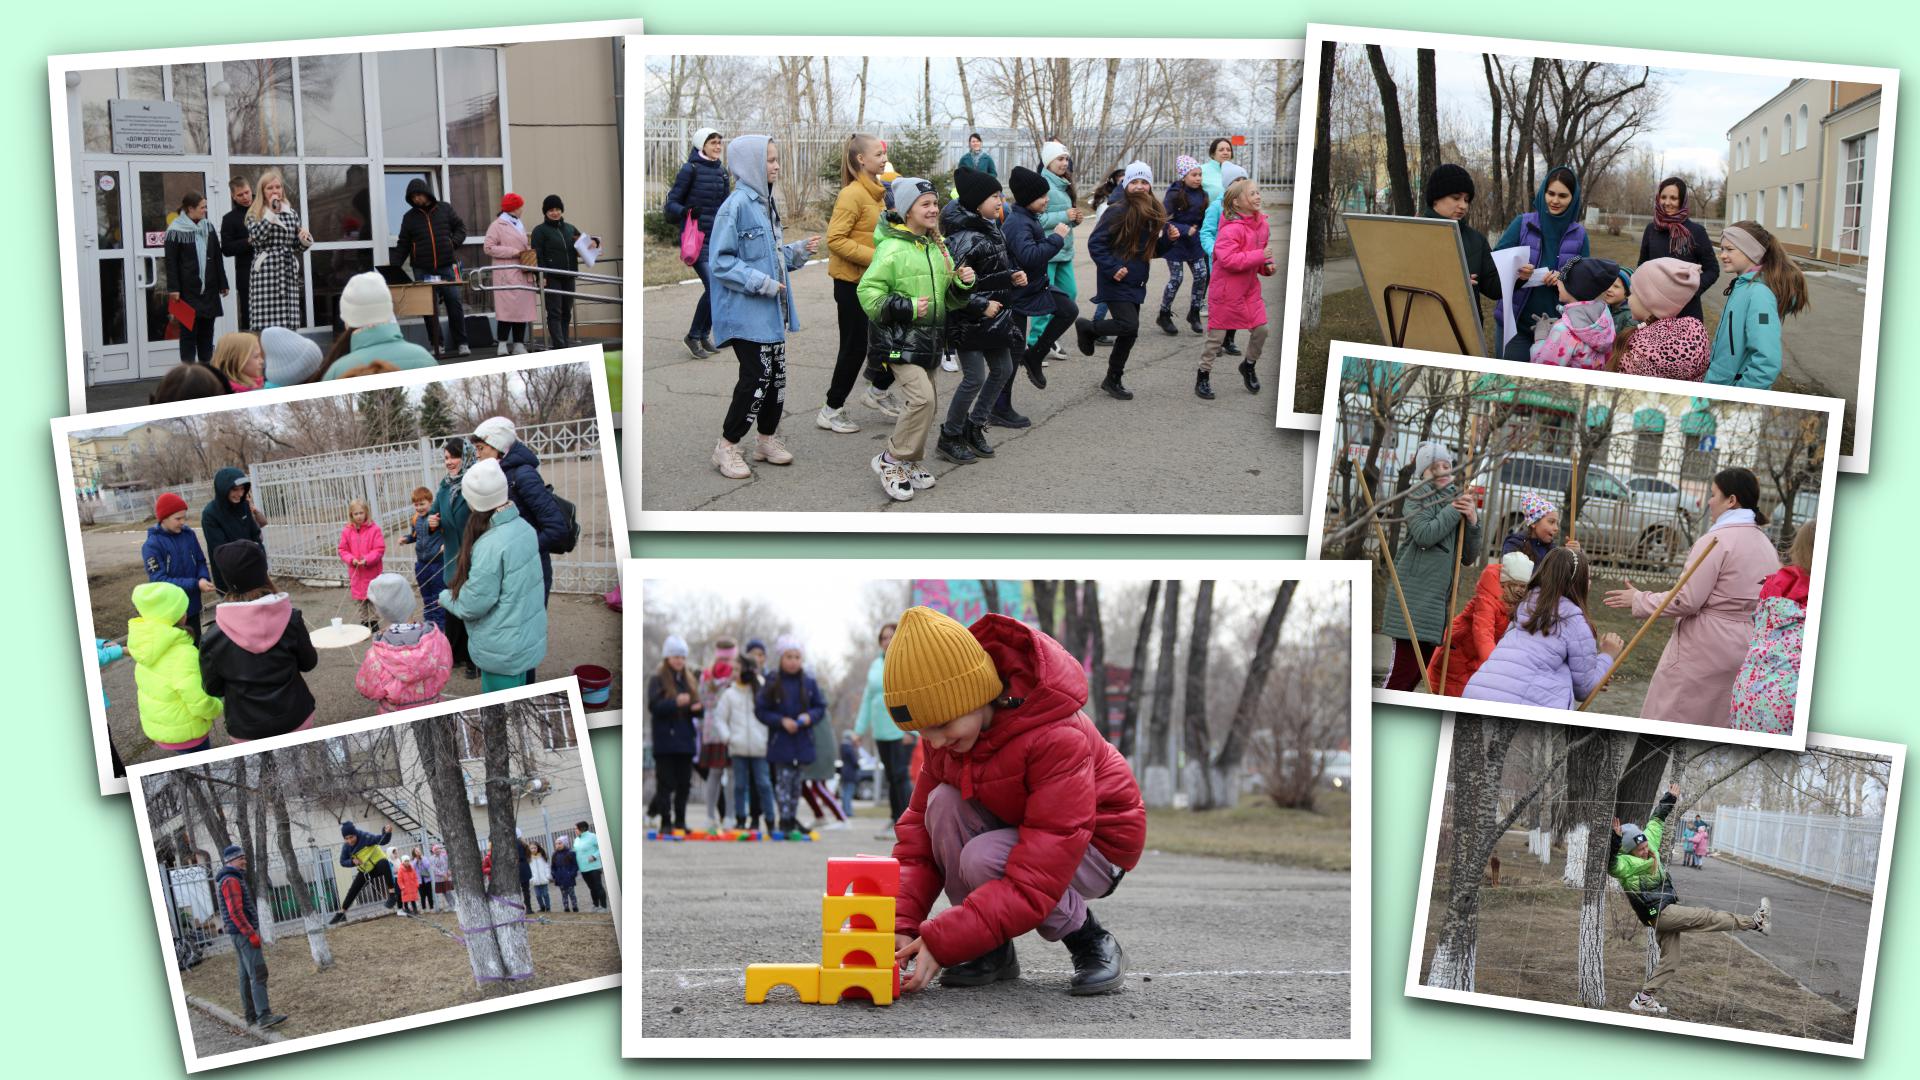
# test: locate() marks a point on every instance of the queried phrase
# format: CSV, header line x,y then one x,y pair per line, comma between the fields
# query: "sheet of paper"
x,y
1538,277
1507,262
589,249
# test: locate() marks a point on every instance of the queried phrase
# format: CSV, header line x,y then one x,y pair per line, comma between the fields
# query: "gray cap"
x,y
392,597
1631,836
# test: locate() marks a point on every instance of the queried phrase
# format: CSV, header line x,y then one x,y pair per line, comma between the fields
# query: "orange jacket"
x,y
1476,630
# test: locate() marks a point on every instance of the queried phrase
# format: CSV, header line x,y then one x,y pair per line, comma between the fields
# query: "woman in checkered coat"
x,y
278,238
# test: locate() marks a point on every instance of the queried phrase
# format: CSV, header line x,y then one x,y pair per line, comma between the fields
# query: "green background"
x,y
85,988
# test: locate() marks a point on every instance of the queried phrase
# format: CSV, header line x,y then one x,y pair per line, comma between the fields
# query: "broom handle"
x,y
1393,574
1453,589
1638,634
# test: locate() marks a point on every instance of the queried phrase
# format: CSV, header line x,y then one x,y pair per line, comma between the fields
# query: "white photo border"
x,y
1876,922
158,890
1888,79
66,426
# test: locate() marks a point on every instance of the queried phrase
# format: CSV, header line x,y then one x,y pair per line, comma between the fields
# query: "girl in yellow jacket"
x,y
175,711
856,212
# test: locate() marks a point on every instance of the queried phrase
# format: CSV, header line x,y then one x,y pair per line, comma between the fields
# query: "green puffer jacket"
x,y
1425,564
1645,881
905,268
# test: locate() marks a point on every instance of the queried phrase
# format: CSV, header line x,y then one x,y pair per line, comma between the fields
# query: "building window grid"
x,y
1799,204
1853,175
1780,208
1800,131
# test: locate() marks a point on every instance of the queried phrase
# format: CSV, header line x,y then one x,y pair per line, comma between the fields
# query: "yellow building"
x,y
1803,164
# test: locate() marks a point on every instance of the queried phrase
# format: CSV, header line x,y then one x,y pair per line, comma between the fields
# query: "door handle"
x,y
150,264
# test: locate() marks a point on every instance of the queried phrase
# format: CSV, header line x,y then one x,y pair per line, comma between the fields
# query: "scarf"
x,y
1739,515
200,230
519,225
1679,237
1553,227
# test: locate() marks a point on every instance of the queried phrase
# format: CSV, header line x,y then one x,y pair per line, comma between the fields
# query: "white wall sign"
x,y
147,127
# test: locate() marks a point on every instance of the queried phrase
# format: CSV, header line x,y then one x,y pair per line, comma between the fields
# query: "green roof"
x,y
1494,387
1649,420
1600,416
1698,422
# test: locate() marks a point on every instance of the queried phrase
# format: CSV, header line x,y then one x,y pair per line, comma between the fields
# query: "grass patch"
x,y
1258,831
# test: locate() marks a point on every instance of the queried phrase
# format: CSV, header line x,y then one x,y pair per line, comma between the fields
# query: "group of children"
x,y
477,570
1593,313
1525,636
981,285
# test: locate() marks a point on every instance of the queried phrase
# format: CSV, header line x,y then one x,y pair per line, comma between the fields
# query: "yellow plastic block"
x,y
804,978
876,981
877,945
836,911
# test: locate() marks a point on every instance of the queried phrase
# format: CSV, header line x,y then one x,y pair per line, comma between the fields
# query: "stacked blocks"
x,y
856,929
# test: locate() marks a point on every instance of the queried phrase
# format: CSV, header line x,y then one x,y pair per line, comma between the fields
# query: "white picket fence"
x,y
114,505
1822,847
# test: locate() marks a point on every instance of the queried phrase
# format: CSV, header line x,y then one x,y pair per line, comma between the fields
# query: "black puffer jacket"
x,y
974,241
253,658
1031,247
430,236
699,189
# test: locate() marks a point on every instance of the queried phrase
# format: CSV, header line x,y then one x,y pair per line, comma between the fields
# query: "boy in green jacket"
x,y
1633,859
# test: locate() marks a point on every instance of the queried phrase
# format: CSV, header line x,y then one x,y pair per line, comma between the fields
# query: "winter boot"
x,y
1194,323
1083,336
1165,323
977,440
1228,346
1763,918
1099,964
1034,362
1203,385
995,965
954,448
1005,417
1247,376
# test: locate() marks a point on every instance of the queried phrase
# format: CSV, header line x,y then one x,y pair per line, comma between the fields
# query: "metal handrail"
x,y
477,279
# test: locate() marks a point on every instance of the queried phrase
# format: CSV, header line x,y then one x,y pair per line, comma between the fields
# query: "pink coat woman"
x,y
367,543
506,239
1694,682
1239,261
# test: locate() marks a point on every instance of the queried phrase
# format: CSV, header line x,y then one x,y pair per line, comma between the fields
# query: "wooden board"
x,y
1418,253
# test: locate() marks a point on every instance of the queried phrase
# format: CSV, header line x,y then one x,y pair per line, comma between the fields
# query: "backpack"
x,y
572,514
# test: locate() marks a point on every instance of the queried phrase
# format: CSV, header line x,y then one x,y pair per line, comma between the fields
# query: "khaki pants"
x,y
1680,919
915,384
1216,339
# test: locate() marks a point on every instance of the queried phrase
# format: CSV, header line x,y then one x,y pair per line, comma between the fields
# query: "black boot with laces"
x,y
1099,964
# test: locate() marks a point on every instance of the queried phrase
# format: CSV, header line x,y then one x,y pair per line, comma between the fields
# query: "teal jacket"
x,y
874,717
503,600
381,342
586,851
1058,203
1425,564
1746,348
1210,227
454,512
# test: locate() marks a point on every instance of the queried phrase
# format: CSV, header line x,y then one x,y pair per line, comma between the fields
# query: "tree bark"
x,y
1045,595
860,117
1096,655
990,594
1158,786
198,785
1320,207
966,90
1399,189
438,744
1233,746
1428,105
1593,776
312,919
1137,679
503,839
1200,787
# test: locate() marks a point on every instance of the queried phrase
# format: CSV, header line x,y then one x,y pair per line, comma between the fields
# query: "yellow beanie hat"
x,y
935,671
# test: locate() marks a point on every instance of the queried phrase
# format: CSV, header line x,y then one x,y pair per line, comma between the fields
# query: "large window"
x,y
260,119
1799,204
183,84
1786,135
1780,208
1800,130
1763,144
1853,187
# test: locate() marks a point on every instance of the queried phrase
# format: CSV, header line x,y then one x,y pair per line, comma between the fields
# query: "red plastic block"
x,y
863,876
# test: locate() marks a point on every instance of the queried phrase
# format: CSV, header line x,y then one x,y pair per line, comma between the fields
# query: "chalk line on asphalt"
x,y
737,977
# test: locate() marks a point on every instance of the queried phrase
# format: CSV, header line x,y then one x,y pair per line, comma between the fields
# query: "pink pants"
x,y
971,846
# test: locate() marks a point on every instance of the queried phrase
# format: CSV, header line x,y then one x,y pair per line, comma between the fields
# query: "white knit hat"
x,y
1049,151
1429,453
497,432
1137,170
1515,566
484,485
675,646
366,301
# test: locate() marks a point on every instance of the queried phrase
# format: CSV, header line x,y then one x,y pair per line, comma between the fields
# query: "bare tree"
x,y
1045,595
1199,646
860,115
966,91
503,884
1399,188
1157,787
1137,680
1320,203
1096,655
311,917
438,745
1429,112
1233,747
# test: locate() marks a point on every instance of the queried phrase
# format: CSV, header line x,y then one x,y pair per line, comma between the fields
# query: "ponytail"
x,y
1777,271
1743,488
858,145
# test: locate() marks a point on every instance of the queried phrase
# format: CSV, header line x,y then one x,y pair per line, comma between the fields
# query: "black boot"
x,y
1165,323
1112,385
1099,964
977,441
1037,375
1203,385
1194,323
954,448
696,347
1083,336
994,966
1247,375
1228,346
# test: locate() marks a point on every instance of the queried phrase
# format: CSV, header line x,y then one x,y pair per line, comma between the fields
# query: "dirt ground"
x,y
391,967
581,629
212,1036
1216,948
1529,926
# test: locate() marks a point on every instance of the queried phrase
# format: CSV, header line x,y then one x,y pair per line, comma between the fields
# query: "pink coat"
x,y
402,676
504,244
1239,259
364,542
1694,682
1700,842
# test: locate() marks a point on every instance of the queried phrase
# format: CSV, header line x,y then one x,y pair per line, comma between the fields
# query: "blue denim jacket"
x,y
747,262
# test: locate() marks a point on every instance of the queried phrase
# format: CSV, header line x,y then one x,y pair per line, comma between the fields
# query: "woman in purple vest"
x,y
1553,237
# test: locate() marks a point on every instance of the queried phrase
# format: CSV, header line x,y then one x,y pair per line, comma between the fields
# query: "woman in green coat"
x,y
449,515
1425,562
496,587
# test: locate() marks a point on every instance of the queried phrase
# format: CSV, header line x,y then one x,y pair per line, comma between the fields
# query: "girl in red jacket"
x,y
1479,626
1022,812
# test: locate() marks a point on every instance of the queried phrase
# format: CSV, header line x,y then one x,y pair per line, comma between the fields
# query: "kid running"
x,y
1234,301
1186,205
850,241
1548,656
1766,288
257,650
363,547
408,663
1633,859
1124,242
1022,811
1032,246
1063,207
983,329
176,712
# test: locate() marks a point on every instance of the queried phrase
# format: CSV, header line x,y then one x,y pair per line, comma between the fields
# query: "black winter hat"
x,y
1586,279
1449,179
552,202
974,187
1027,185
243,563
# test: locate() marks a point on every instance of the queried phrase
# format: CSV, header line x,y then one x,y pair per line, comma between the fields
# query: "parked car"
x,y
1806,507
1611,522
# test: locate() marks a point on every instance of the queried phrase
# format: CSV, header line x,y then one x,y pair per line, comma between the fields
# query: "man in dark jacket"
x,y
552,241
430,238
234,245
230,515
366,852
242,922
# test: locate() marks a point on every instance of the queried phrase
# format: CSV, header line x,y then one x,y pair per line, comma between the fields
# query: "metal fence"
x,y
807,150
1644,495
108,506
1822,847
305,500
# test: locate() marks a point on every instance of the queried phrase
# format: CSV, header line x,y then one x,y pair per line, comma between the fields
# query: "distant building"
x,y
1802,165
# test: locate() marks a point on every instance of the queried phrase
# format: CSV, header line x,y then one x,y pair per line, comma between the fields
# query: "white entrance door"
x,y
158,190
106,272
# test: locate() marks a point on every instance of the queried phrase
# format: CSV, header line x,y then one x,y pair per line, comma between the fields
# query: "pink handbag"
x,y
691,240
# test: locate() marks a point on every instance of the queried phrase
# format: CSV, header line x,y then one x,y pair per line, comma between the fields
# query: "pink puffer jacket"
x,y
402,676
1239,261
367,544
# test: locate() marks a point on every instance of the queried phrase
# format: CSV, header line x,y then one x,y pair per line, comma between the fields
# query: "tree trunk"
x,y
1096,656
198,789
1642,778
1428,105
1320,207
1452,965
926,92
243,824
1497,195
1399,189
1593,775
990,595
826,77
1199,646
860,117
503,888
312,918
1233,747
438,743
1045,594
1137,679
1158,786
966,90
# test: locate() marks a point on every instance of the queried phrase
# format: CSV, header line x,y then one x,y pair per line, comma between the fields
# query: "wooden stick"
x,y
1638,634
1453,590
1573,486
1394,575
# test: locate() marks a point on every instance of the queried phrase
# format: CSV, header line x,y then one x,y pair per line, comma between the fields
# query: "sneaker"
x,y
1645,1002
1165,323
505,349
1763,918
519,348
464,350
918,476
707,344
1083,336
954,448
885,834
726,458
835,420
893,478
949,362
833,825
770,449
696,348
270,1020
882,402
1057,351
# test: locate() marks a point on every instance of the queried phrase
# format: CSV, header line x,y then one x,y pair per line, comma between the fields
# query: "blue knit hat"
x,y
232,852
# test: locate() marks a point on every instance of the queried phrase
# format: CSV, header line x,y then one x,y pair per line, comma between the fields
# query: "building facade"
x,y
347,132
1802,165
